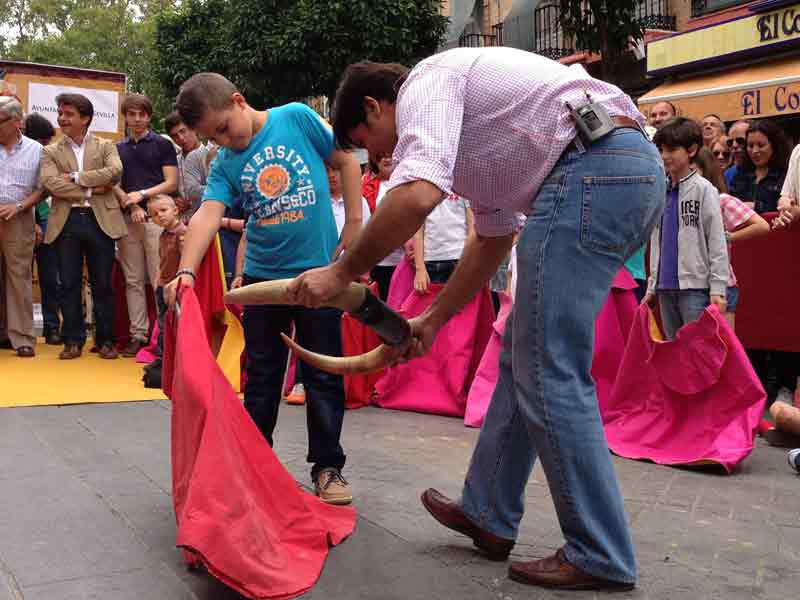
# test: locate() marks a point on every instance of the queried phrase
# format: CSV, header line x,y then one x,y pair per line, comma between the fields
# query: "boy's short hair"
x,y
203,92
679,132
159,197
79,102
172,120
381,81
139,101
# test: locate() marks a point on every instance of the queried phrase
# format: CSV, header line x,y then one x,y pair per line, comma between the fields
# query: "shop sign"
x,y
779,100
737,39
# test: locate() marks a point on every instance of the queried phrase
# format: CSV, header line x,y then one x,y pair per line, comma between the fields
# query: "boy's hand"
x,y
313,288
422,281
649,299
236,283
171,289
349,233
720,302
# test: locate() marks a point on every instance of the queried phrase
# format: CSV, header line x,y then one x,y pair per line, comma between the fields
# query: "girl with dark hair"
x,y
740,221
761,177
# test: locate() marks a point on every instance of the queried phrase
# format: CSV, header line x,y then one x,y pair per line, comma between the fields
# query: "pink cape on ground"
x,y
238,511
691,400
482,388
438,382
148,354
611,334
611,330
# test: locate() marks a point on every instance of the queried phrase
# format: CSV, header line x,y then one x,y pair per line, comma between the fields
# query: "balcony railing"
x,y
704,7
477,40
547,33
654,14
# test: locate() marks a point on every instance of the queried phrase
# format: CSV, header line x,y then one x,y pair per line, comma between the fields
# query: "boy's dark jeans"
x,y
318,330
439,271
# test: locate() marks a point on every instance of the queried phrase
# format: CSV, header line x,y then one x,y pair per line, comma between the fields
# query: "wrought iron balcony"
x,y
704,7
548,36
479,40
655,14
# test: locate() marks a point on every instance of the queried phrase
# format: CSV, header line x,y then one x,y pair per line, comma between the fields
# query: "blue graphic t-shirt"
x,y
280,182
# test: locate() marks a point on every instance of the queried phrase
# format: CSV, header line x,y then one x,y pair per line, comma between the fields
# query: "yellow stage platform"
x,y
46,380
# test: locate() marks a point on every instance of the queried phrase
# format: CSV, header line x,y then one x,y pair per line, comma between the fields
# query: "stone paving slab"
x,y
86,512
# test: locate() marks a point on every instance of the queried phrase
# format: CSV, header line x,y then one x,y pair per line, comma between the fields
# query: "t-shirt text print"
x,y
267,180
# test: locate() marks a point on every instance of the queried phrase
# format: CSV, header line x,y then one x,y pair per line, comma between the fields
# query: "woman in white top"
x,y
438,245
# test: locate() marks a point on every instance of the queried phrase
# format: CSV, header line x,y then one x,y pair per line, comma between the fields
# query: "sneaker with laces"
x,y
297,395
332,488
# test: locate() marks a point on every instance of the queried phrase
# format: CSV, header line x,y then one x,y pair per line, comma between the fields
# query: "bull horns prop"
x,y
358,302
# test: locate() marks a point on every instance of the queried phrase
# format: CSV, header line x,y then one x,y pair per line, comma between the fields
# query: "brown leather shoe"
x,y
108,352
556,572
25,352
452,516
133,347
70,351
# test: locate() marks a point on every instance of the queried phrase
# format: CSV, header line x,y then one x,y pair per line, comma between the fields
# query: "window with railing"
x,y
655,14
704,7
547,33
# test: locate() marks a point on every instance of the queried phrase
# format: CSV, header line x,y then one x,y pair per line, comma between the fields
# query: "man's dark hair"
x,y
79,102
781,148
39,128
201,93
679,132
380,81
172,120
139,101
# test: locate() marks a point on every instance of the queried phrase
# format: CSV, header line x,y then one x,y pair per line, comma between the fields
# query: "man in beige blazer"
x,y
79,171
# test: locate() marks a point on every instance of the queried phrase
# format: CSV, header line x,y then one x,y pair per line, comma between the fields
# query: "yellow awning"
x,y
762,90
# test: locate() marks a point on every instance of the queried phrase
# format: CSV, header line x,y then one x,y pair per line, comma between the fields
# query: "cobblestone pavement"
x,y
85,512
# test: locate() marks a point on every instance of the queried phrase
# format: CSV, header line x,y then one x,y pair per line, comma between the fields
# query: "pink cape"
x,y
238,511
611,334
438,382
691,400
482,388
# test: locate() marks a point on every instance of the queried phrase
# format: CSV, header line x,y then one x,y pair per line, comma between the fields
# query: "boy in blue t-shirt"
x,y
272,165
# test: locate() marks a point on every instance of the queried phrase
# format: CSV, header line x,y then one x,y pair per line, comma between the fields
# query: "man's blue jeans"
x,y
318,330
594,210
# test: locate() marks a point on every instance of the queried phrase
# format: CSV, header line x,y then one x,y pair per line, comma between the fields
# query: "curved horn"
x,y
274,292
372,361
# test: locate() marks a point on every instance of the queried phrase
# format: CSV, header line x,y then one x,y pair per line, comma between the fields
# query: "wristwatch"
x,y
20,207
144,194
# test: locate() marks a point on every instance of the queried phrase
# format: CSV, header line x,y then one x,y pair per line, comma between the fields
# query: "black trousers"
x,y
318,330
82,238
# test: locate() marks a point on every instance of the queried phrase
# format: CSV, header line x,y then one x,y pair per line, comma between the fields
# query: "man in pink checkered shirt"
x,y
492,125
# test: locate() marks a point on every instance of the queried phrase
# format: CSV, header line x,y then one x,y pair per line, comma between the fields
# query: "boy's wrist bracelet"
x,y
186,272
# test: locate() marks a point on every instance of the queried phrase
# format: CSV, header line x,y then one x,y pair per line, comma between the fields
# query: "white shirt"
x,y
446,229
337,203
489,124
397,255
19,170
79,152
791,185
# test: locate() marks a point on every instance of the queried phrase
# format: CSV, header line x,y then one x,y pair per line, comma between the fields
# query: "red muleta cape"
x,y
238,511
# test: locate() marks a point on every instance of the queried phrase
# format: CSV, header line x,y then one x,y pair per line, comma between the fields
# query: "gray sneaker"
x,y
332,488
794,459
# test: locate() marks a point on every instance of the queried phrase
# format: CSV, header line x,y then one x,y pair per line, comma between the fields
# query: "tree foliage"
x,y
113,35
604,26
279,50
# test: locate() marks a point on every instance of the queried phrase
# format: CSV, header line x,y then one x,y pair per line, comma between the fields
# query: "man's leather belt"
x,y
626,123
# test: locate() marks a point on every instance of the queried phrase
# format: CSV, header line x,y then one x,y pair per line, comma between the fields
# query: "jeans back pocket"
x,y
618,213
